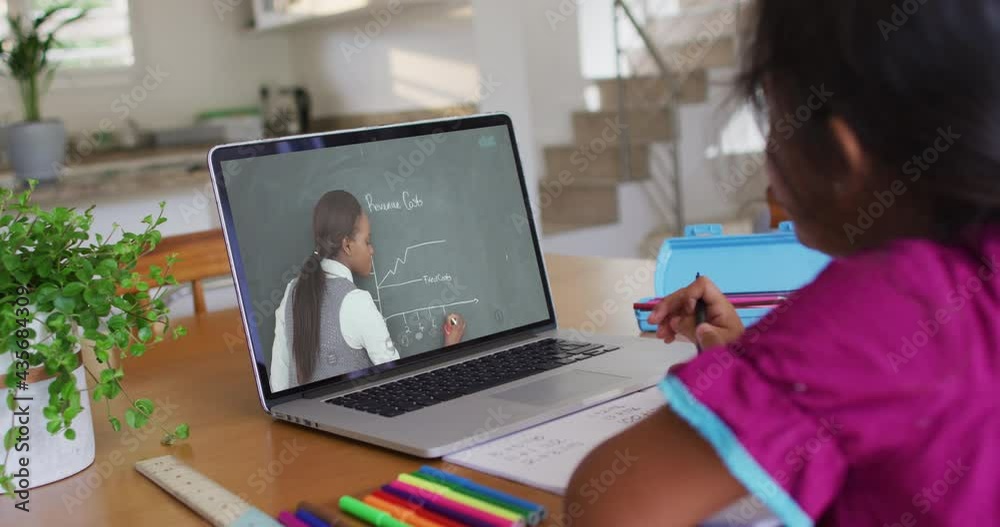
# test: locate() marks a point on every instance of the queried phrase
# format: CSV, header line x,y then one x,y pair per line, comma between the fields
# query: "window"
x,y
101,41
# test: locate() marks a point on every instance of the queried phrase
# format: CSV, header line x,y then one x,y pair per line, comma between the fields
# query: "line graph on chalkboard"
x,y
401,261
417,322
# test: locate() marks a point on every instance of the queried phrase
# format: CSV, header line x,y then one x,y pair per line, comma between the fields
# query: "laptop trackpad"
x,y
558,388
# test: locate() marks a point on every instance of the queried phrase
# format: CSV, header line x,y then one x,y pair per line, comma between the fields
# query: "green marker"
x,y
369,514
531,517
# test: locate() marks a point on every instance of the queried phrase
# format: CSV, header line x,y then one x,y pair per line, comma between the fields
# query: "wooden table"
x,y
204,379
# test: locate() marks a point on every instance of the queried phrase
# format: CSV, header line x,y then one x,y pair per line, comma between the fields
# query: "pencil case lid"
x,y
774,261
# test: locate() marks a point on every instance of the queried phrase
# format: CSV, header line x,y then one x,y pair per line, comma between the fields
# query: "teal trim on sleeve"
x,y
740,463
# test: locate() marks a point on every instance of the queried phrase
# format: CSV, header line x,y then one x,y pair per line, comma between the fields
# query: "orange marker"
x,y
400,513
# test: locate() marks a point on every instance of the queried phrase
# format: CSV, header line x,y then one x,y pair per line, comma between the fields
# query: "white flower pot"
x,y
37,150
49,457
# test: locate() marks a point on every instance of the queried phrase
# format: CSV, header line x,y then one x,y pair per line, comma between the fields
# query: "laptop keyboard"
x,y
427,389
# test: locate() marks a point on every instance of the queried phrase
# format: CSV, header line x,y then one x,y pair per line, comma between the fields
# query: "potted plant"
x,y
65,292
36,147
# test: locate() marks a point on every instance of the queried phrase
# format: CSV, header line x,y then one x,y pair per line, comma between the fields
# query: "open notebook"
x,y
546,455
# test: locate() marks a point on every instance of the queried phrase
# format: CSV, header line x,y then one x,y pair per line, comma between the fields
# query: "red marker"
x,y
739,300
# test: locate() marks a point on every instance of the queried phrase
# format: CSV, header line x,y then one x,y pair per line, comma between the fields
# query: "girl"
x,y
870,398
325,326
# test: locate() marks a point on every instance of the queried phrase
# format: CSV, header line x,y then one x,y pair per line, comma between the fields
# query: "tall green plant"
x,y
25,52
77,286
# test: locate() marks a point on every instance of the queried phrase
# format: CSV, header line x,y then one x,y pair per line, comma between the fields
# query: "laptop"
x,y
452,233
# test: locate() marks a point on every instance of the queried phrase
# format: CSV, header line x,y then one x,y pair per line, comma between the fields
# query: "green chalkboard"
x,y
447,217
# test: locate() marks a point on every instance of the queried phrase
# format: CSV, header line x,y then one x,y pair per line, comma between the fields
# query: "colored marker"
x,y
458,511
369,514
461,498
322,512
523,514
533,513
444,521
289,520
740,300
401,514
310,519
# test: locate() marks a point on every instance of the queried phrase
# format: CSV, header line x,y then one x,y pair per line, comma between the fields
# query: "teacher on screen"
x,y
325,326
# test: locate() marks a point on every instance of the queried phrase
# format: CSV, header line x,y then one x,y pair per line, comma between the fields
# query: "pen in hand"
x,y
700,315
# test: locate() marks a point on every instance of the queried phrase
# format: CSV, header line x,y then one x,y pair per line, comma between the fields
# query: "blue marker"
x,y
538,510
309,518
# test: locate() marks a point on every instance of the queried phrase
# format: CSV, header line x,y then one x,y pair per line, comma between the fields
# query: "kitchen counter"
x,y
119,174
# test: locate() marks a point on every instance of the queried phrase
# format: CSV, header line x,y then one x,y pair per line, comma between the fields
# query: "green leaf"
x,y
182,431
145,333
107,375
107,267
10,261
116,425
116,322
121,338
65,304
179,332
53,426
11,404
46,292
50,413
10,438
145,406
69,434
55,321
142,286
135,419
101,355
137,349
73,289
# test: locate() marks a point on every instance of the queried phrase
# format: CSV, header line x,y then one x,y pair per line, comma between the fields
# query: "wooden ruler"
x,y
204,496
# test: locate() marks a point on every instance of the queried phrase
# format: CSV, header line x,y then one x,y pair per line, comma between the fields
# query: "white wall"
x,y
210,61
417,57
531,50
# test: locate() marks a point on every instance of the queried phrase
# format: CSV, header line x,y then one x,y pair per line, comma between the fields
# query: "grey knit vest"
x,y
334,356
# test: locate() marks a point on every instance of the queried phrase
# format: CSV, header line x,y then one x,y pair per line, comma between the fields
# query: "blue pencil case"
x,y
751,263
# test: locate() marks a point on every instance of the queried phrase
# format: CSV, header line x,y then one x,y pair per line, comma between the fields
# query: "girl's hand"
x,y
454,329
675,316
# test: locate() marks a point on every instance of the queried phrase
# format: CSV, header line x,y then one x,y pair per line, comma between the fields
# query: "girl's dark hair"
x,y
902,73
335,218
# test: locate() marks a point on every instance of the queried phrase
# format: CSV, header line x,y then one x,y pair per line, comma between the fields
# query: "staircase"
x,y
580,188
632,137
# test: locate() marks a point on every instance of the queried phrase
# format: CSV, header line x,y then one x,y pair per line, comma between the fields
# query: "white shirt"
x,y
361,324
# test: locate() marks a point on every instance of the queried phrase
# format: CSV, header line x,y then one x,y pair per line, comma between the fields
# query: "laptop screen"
x,y
355,252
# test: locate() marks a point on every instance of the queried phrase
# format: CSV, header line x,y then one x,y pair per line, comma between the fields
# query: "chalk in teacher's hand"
x,y
453,320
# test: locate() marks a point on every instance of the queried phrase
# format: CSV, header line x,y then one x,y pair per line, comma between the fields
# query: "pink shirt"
x,y
869,398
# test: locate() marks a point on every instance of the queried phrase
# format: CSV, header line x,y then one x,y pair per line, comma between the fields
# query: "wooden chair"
x,y
201,255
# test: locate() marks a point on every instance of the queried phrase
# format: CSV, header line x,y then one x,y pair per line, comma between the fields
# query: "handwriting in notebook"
x,y
535,449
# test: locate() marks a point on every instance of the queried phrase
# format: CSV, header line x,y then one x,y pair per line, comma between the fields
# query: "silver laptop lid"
x,y
450,229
